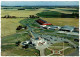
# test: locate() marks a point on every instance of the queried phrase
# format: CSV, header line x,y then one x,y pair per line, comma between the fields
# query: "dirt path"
x,y
8,43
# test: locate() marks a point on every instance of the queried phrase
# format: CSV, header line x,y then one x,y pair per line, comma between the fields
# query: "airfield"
x,y
55,46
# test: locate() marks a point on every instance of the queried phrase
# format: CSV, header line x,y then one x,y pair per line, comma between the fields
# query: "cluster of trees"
x,y
73,15
20,27
21,9
32,16
18,43
8,16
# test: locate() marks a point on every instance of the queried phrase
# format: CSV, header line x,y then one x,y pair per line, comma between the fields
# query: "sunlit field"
x,y
63,21
8,26
20,13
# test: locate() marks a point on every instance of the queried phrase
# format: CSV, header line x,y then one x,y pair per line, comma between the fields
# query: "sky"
x,y
39,3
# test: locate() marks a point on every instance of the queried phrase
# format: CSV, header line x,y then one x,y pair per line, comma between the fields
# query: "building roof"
x,y
43,22
67,27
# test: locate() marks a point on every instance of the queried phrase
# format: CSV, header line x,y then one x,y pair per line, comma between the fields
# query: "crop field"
x,y
63,21
11,24
61,11
27,12
20,13
70,10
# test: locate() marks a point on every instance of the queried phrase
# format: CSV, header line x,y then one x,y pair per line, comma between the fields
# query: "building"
x,y
47,27
67,28
76,30
39,41
24,43
42,22
55,27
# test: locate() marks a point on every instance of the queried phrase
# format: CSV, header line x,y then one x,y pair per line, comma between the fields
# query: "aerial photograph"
x,y
39,28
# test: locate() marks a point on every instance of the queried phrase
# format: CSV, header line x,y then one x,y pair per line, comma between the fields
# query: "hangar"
x,y
43,22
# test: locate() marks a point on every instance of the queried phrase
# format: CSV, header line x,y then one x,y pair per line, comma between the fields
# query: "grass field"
x,y
63,21
27,12
9,35
61,11
10,49
8,26
20,13
68,51
47,51
49,14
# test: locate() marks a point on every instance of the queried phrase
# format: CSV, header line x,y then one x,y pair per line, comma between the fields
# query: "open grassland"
x,y
27,12
20,13
8,26
10,49
64,10
68,51
47,51
67,8
63,21
61,11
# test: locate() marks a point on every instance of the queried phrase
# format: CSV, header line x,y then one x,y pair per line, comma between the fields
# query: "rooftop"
x,y
68,27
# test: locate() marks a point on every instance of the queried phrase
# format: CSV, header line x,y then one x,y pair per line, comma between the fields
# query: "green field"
x,y
68,51
47,51
10,49
49,14
71,10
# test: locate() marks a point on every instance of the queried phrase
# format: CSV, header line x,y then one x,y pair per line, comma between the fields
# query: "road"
x,y
41,48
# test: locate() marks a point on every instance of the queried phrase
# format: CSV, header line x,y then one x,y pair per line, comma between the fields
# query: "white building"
x,y
67,28
55,27
39,41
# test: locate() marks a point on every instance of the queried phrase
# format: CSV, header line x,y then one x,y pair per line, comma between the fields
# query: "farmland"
x,y
63,21
7,23
20,13
8,26
10,35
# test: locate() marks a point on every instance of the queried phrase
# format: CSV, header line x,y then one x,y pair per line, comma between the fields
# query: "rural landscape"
x,y
40,30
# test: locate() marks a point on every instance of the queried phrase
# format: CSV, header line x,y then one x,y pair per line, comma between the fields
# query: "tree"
x,y
75,15
18,43
26,46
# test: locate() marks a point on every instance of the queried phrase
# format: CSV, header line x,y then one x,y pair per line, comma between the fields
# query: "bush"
x,y
18,43
26,46
19,27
